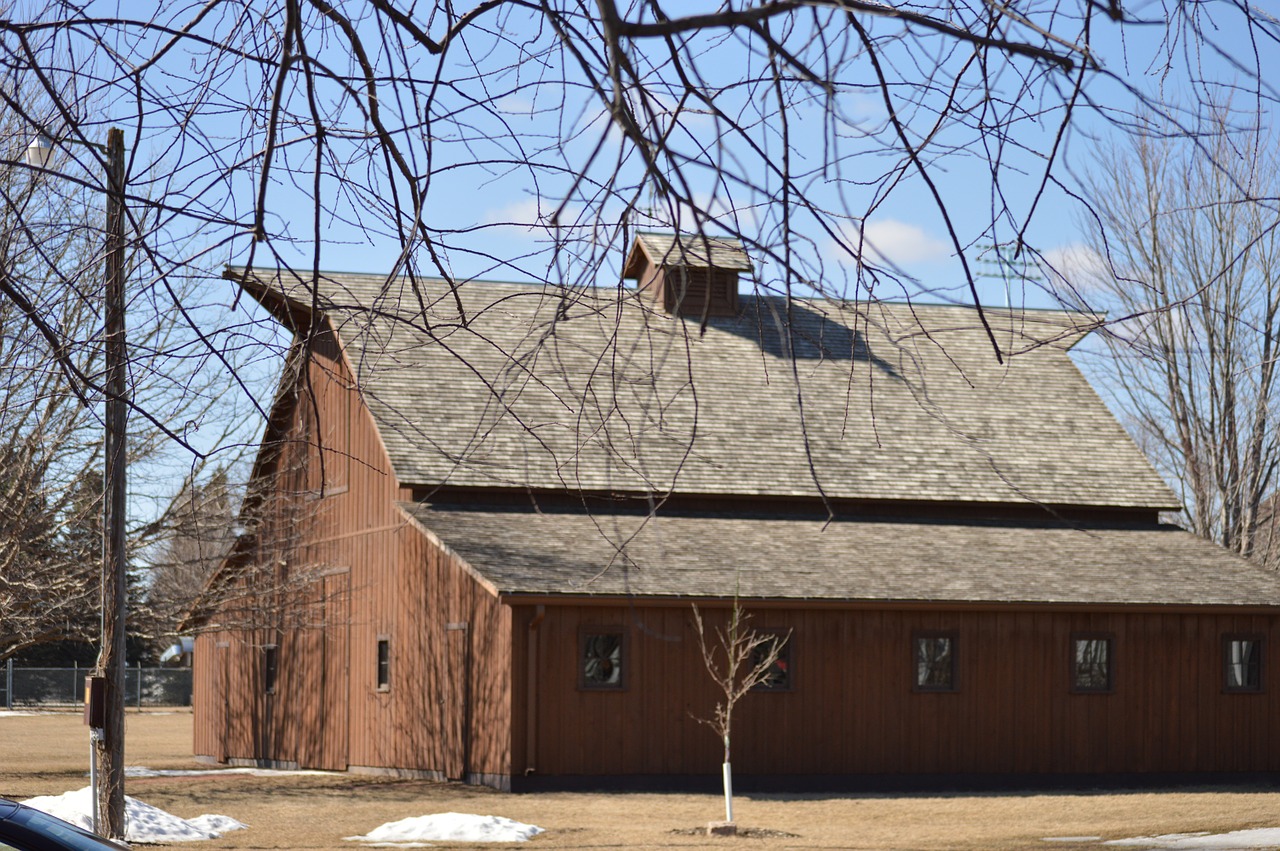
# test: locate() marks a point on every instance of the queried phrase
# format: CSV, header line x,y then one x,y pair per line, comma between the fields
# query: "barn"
x,y
482,513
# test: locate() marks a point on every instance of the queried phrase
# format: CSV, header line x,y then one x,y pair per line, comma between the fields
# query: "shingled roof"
x,y
698,252
789,558
512,385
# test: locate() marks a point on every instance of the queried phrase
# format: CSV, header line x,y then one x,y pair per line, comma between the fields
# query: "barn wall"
x,y
447,710
344,571
853,710
207,699
233,719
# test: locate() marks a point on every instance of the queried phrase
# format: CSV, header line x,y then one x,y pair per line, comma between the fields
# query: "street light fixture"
x,y
109,743
40,151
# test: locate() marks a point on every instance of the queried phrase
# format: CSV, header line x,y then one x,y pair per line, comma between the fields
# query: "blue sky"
x,y
195,130
502,203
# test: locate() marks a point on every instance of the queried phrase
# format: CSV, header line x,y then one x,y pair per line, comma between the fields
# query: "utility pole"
x,y
109,748
108,740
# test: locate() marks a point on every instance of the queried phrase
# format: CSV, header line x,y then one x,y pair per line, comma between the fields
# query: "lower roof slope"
x,y
786,558
505,385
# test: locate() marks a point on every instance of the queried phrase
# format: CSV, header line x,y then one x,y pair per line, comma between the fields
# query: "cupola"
x,y
688,274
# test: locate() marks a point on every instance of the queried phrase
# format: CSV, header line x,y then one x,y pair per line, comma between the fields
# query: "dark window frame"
x,y
382,671
585,635
1259,684
953,673
270,668
1074,665
785,656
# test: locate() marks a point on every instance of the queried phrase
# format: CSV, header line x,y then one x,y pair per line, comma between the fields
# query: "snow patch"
x,y
1236,840
144,824
214,824
1073,839
140,771
449,827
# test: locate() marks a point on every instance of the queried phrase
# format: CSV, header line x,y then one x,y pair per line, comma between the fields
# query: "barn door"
x,y
220,701
334,661
457,738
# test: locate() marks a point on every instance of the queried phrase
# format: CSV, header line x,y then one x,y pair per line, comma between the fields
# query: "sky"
x,y
482,203
840,152
194,134
514,138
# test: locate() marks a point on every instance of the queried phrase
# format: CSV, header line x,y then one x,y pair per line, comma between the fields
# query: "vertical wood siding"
x,y
331,519
852,709
448,707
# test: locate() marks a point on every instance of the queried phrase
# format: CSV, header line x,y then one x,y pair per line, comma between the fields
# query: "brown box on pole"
x,y
95,702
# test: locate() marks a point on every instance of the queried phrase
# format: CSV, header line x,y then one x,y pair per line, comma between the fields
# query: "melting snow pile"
x,y
143,822
455,827
1263,837
141,771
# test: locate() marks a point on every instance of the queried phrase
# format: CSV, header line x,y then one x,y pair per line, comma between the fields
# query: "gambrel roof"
x,y
518,386
807,558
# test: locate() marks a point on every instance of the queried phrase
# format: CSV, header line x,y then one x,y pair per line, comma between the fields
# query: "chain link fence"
x,y
53,687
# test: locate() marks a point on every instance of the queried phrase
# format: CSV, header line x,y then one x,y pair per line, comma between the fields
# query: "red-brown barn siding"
x,y
852,709
447,708
378,578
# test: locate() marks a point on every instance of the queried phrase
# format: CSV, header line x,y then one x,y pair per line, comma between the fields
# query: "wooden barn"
x,y
480,517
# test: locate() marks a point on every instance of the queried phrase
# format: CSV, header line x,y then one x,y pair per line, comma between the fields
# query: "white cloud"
x,y
526,213
530,219
1077,265
893,242
512,105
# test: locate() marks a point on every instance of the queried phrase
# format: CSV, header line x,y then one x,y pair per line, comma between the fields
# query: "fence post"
x,y
139,684
8,684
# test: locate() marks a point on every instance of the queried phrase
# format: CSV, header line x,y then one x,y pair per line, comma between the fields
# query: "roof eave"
x,y
529,598
637,258
293,314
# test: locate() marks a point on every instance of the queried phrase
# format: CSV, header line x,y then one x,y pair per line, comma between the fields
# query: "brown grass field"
x,y
48,754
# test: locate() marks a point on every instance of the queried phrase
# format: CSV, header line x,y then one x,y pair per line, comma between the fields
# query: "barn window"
x,y
384,663
270,665
934,661
1242,663
778,677
1091,662
603,655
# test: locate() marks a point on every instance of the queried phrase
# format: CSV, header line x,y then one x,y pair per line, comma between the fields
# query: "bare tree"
x,y
257,572
1188,233
194,536
1266,542
295,132
316,133
49,485
739,659
50,405
529,141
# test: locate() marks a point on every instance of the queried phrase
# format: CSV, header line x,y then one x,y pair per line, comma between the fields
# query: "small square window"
x,y
270,664
1091,662
934,661
1242,663
778,677
384,664
603,659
